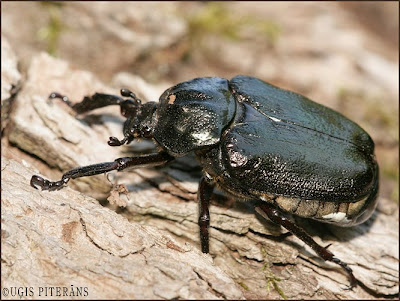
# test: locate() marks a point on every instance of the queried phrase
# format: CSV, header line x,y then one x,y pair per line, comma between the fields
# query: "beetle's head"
x,y
139,118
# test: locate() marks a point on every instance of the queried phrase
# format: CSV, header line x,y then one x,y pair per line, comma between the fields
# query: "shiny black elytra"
x,y
256,142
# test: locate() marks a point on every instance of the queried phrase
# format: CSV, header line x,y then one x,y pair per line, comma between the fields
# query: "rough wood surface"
x,y
146,243
10,78
66,238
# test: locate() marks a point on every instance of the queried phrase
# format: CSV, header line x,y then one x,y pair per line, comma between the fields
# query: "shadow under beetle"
x,y
255,142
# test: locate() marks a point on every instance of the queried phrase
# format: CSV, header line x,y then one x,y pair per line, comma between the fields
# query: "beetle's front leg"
x,y
100,100
95,169
276,216
89,103
206,188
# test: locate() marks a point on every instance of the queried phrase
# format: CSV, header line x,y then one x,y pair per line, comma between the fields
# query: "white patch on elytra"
x,y
274,119
338,217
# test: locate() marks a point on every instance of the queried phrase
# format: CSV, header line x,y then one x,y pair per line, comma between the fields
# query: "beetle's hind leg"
x,y
95,169
276,216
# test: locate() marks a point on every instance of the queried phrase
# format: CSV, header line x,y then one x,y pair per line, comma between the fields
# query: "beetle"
x,y
255,142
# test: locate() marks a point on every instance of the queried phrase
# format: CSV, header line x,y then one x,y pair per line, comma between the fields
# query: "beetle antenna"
x,y
114,141
129,93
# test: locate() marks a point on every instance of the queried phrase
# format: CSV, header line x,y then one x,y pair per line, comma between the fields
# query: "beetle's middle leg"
x,y
206,188
95,169
277,217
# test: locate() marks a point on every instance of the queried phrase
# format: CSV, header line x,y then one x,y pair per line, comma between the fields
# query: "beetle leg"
x,y
277,217
100,100
203,197
97,100
90,170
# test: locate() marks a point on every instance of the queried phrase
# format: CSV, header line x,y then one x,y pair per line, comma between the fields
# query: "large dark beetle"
x,y
255,142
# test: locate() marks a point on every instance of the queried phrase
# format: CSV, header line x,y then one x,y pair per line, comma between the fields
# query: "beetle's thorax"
x,y
192,115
